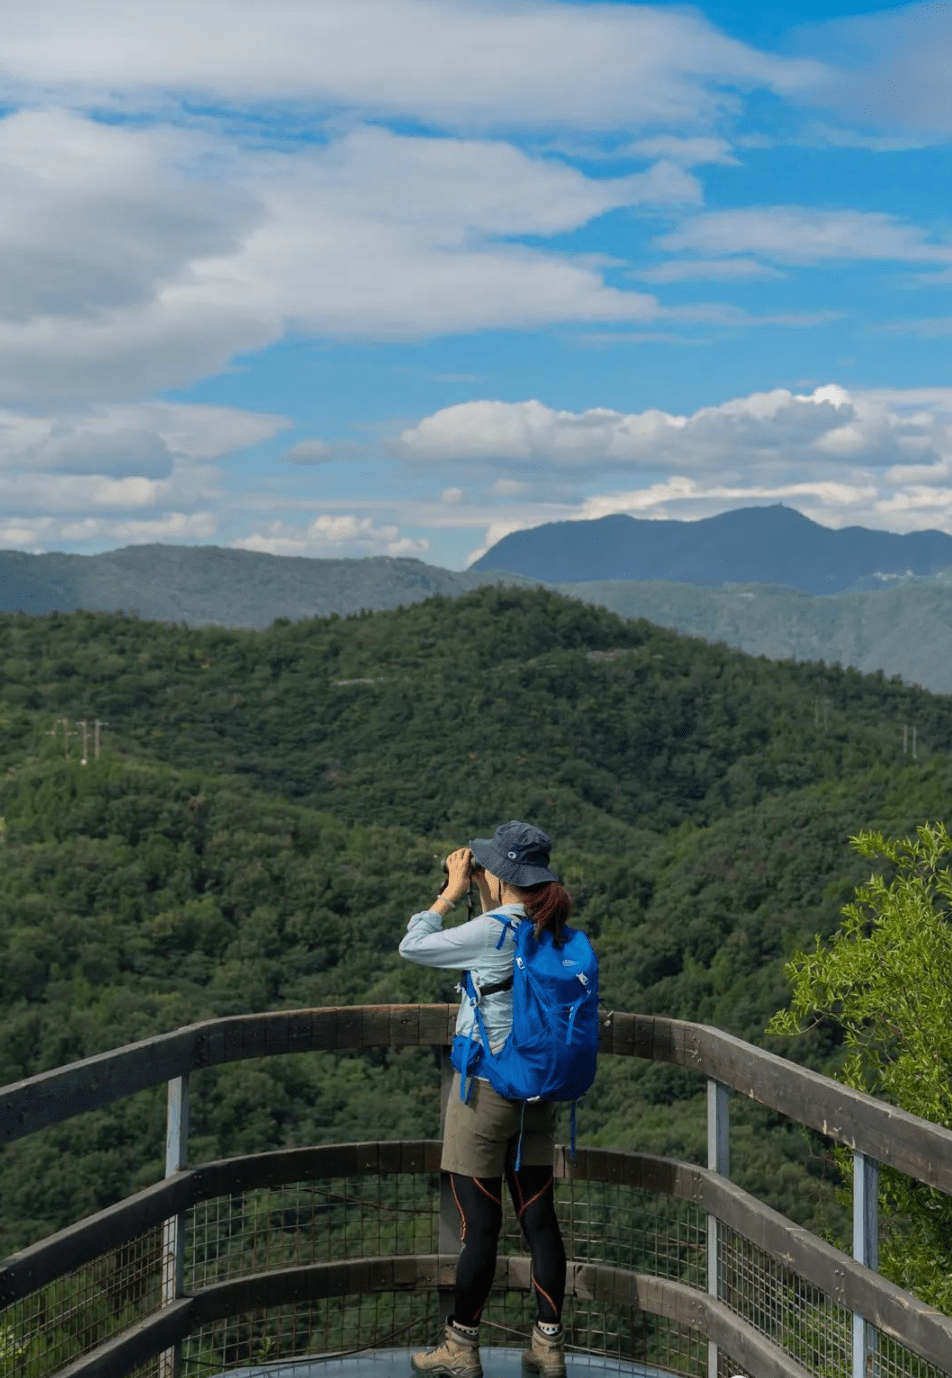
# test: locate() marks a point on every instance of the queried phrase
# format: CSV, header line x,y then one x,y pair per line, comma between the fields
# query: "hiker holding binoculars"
x,y
489,1136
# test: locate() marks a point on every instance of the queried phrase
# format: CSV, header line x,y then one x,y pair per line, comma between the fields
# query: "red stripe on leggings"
x,y
542,1192
462,1231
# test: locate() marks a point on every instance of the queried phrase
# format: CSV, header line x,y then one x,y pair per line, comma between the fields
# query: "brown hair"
x,y
549,906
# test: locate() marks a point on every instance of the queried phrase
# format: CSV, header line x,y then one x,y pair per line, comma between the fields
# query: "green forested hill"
x,y
902,628
256,833
443,712
905,628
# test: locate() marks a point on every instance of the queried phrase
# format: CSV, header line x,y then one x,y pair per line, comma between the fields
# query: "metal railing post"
x,y
173,1231
718,1160
865,1251
448,1241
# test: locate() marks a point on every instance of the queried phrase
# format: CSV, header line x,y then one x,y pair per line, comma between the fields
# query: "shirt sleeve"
x,y
429,944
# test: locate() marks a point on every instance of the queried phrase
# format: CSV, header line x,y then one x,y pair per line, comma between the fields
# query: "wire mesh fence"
x,y
331,1327
290,1225
630,1227
349,1325
728,1367
887,1358
339,1218
793,1314
298,1223
79,1311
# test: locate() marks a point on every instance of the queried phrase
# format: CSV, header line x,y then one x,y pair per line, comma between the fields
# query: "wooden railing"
x,y
874,1131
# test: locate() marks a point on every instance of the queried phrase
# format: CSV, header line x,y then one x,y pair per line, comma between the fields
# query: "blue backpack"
x,y
552,1050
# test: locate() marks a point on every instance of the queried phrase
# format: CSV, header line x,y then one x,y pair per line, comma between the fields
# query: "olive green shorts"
x,y
479,1131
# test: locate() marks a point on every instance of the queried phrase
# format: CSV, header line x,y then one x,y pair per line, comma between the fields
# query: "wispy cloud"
x,y
462,64
807,234
889,71
690,151
705,270
135,283
329,536
929,327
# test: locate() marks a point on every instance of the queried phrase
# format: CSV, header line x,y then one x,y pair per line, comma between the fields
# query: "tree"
x,y
885,979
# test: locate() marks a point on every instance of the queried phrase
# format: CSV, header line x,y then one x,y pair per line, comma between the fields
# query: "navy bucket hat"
x,y
517,852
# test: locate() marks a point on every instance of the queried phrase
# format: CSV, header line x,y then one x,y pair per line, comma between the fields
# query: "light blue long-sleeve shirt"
x,y
473,947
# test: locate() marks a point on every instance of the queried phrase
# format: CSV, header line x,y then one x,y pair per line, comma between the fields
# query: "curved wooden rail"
x,y
883,1132
423,1272
848,1283
880,1131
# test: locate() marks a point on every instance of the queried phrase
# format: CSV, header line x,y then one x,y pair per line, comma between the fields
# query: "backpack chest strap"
x,y
498,986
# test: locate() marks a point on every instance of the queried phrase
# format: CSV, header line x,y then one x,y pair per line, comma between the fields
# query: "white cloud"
x,y
86,471
875,458
45,533
862,458
374,235
171,526
804,234
820,135
99,217
894,69
775,431
690,152
308,452
455,63
119,453
329,536
705,269
31,495
616,337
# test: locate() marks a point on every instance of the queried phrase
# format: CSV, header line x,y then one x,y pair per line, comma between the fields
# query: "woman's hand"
x,y
458,865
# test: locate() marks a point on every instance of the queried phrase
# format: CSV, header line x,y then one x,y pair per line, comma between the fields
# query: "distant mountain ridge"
x,y
766,545
903,628
203,585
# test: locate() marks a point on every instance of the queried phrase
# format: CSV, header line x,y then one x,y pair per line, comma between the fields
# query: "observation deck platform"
x,y
340,1259
498,1362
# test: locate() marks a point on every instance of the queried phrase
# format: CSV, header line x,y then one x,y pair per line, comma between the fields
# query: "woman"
x,y
514,879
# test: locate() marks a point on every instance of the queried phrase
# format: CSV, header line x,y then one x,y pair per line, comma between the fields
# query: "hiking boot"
x,y
457,1356
546,1354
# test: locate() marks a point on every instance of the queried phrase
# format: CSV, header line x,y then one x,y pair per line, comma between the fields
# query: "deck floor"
x,y
395,1363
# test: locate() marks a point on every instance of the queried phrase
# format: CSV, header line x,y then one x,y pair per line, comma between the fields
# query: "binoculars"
x,y
446,870
474,870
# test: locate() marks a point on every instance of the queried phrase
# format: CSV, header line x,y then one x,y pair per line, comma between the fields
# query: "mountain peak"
x,y
769,544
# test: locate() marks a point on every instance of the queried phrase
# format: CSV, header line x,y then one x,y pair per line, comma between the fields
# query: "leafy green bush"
x,y
885,980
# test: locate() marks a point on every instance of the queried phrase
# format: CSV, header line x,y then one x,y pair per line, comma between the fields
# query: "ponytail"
x,y
549,906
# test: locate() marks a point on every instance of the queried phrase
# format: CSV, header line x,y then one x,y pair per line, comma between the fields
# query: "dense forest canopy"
x,y
269,808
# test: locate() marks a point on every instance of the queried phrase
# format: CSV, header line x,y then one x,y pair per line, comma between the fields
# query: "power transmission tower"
x,y
83,727
66,734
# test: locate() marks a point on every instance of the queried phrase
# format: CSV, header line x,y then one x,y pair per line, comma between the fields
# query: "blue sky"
x,y
397,277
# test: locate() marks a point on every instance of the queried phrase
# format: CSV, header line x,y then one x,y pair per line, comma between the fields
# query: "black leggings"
x,y
479,1202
